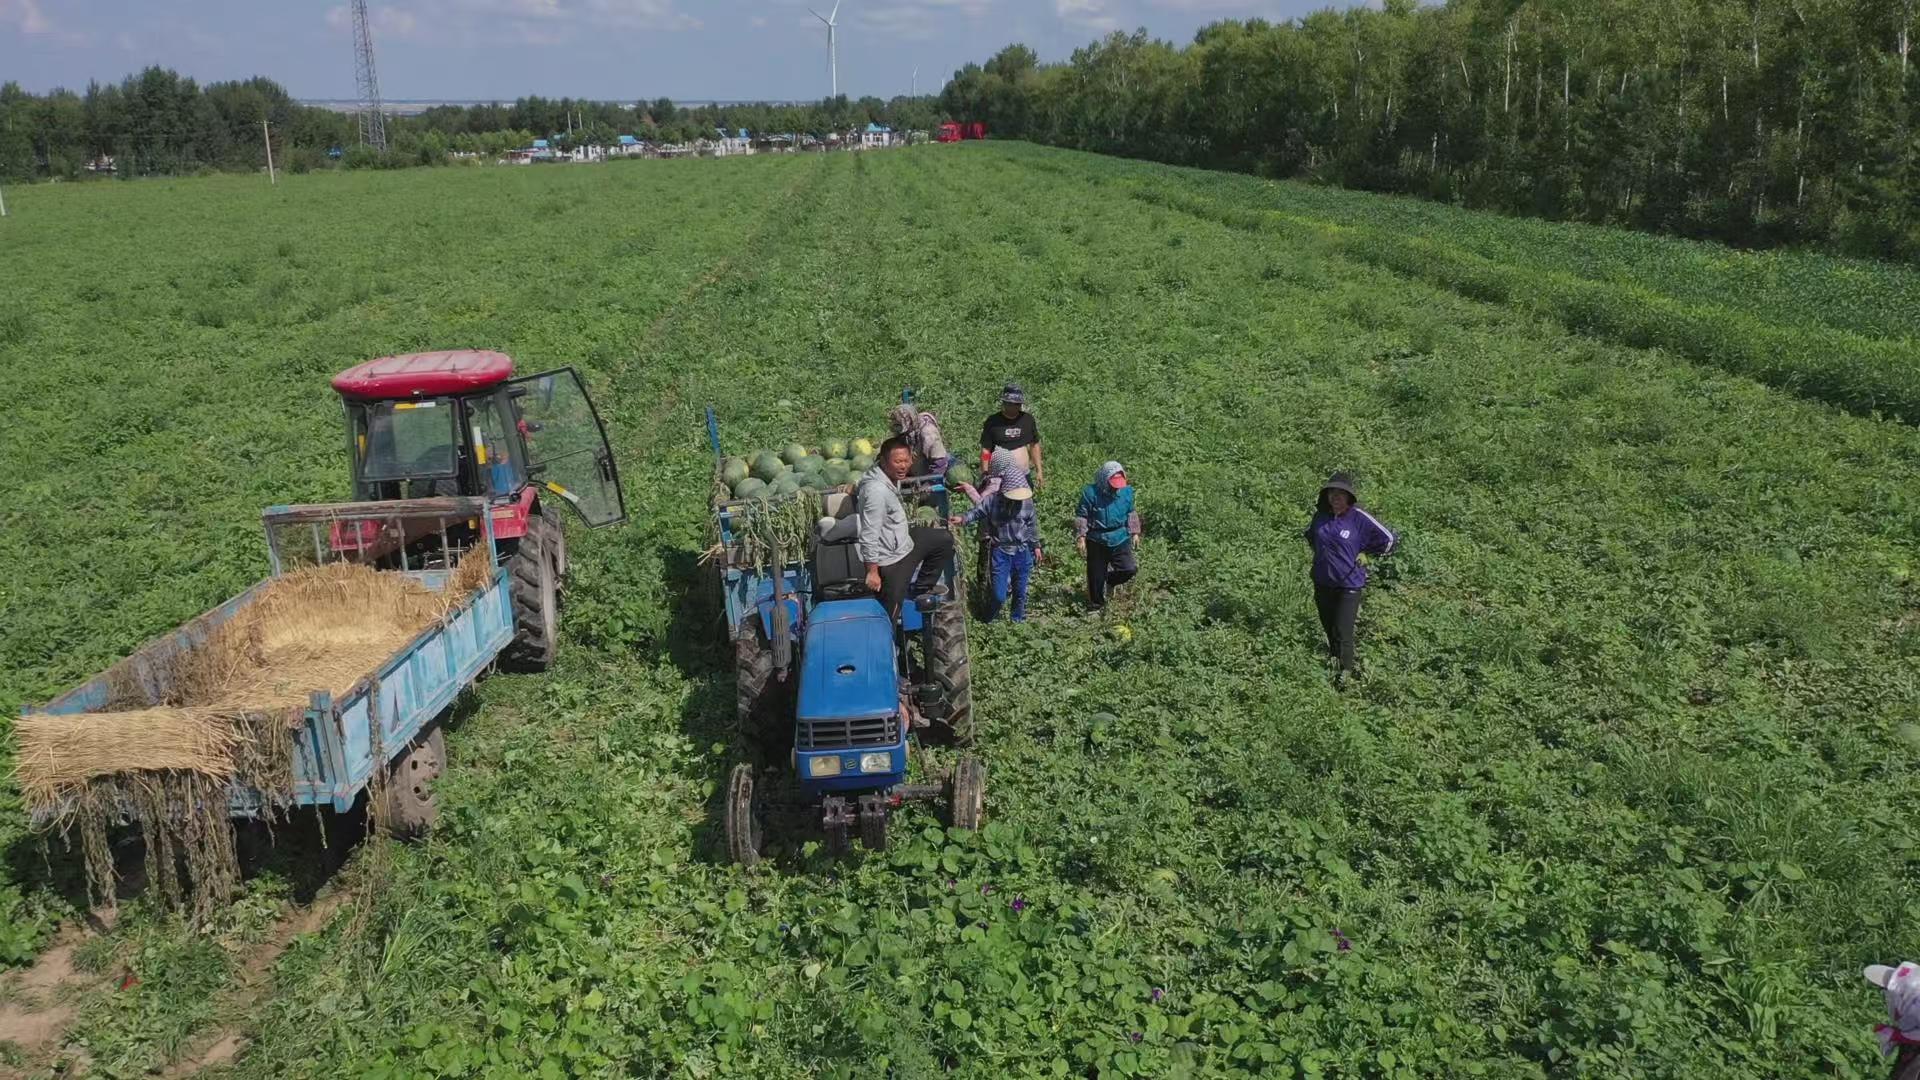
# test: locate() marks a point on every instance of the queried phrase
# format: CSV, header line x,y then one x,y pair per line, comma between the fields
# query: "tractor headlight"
x,y
876,763
826,765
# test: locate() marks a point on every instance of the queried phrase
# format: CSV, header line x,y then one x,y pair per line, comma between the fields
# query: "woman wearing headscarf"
x,y
1341,535
921,430
1106,526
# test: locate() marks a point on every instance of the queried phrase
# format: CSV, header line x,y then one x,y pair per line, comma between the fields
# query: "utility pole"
x,y
268,140
915,95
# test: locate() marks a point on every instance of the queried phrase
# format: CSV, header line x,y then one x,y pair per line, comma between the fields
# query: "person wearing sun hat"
x,y
1342,535
1900,1035
1105,527
1010,530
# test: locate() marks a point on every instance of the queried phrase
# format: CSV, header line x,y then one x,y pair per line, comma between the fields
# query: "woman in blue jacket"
x,y
1340,535
1106,526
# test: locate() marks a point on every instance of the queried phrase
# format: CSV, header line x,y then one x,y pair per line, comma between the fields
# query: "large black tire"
x,y
873,830
411,810
534,587
947,655
557,547
755,689
967,793
743,817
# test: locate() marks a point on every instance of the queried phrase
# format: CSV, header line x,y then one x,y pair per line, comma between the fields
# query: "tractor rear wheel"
x,y
534,588
755,688
557,547
410,809
743,817
967,794
951,668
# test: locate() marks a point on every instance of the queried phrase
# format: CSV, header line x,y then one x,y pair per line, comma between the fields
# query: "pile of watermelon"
x,y
768,475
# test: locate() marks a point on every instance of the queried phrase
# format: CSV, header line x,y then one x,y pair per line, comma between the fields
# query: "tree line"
x,y
161,123
1750,121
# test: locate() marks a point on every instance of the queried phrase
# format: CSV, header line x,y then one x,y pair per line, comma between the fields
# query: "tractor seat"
x,y
837,570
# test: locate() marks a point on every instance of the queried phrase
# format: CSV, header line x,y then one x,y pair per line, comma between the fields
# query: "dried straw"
x,y
181,728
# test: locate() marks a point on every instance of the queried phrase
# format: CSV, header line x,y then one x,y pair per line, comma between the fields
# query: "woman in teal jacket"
x,y
1106,526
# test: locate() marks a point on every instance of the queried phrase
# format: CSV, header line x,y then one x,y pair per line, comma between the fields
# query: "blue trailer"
x,y
388,720
824,674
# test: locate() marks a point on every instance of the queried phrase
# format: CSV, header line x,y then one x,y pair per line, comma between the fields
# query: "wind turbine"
x,y
833,57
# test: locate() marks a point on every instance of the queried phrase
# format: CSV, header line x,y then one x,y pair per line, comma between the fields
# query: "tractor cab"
x,y
431,424
460,423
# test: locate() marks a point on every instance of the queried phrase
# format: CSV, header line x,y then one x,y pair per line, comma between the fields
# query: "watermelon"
x,y
837,449
812,463
961,474
733,470
750,488
838,473
861,448
793,453
862,463
786,485
925,515
766,468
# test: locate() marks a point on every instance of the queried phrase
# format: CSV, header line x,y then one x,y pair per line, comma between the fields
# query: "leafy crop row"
x,y
1866,374
1618,795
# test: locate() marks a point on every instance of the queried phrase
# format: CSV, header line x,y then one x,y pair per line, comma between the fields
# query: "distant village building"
x,y
876,137
627,146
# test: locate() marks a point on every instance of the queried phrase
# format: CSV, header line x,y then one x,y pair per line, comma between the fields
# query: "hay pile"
x,y
182,725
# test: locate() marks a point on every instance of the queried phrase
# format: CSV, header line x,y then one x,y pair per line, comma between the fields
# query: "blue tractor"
x,y
833,695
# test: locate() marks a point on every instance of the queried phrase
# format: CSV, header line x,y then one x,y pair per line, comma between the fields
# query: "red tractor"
x,y
954,131
459,423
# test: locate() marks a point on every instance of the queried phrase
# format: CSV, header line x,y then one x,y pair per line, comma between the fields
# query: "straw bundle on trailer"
x,y
182,726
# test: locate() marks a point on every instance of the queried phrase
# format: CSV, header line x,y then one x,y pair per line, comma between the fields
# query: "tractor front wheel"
x,y
744,833
967,793
410,810
534,587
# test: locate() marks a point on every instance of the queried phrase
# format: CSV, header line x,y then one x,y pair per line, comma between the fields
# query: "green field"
x,y
1626,790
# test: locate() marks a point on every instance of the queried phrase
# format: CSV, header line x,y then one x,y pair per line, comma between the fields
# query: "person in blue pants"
x,y
1011,531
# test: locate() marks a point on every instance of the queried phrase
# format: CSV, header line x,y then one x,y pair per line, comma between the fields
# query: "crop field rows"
x,y
1618,794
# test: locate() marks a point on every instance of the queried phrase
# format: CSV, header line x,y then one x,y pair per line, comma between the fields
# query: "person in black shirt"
x,y
1013,428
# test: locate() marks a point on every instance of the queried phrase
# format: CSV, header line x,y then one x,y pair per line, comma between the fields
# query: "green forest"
x,y
1749,121
161,123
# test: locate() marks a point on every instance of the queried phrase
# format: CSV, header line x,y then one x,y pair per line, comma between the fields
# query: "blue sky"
x,y
604,49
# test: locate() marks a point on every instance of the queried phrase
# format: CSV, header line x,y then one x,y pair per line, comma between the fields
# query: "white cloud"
x,y
517,22
917,20
1091,14
388,22
26,17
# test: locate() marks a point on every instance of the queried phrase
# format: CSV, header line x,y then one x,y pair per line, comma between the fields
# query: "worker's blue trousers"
x,y
1012,566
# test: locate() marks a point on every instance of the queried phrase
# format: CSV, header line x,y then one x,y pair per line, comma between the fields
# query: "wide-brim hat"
x,y
1012,394
1019,494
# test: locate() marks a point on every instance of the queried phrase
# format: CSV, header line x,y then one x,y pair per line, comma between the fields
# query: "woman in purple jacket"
x,y
1340,535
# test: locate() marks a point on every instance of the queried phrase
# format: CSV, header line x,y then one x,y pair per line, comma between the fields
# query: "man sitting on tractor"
x,y
897,556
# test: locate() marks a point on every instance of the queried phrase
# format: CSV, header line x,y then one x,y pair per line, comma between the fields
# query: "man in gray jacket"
x,y
898,556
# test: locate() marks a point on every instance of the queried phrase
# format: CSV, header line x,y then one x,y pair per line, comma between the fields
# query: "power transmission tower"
x,y
373,123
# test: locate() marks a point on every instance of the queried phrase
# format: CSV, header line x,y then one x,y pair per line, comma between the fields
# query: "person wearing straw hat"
x,y
1342,536
1900,1035
1105,527
1010,529
1013,428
